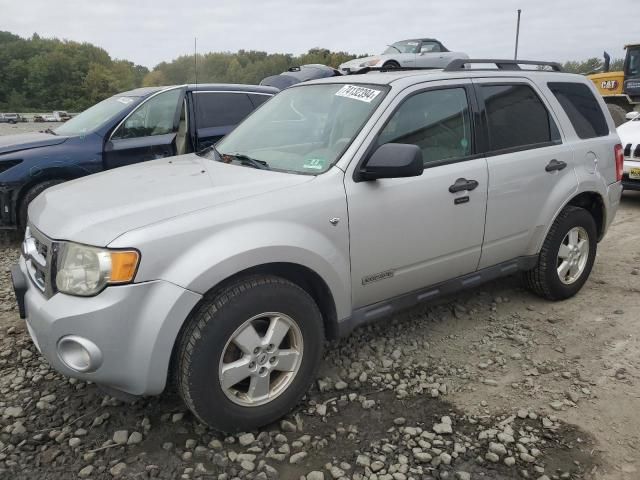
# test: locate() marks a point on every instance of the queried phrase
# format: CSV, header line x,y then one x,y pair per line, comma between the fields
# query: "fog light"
x,y
79,354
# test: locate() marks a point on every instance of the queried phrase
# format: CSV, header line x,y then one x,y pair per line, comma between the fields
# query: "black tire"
x,y
204,339
390,65
617,113
31,194
544,279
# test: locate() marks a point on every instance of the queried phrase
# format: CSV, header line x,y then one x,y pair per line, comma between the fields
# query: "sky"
x,y
149,32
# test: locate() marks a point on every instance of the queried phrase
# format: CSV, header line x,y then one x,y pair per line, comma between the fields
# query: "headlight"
x,y
370,63
85,271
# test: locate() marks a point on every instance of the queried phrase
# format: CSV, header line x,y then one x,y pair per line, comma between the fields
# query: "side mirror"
x,y
632,115
393,160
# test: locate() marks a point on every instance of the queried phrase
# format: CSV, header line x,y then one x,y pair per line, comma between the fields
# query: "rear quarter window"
x,y
581,107
221,109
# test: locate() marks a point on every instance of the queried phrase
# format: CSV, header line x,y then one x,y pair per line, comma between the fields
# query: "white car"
x,y
629,133
425,53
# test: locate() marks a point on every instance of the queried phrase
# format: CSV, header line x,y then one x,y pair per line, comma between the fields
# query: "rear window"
x,y
221,109
582,108
517,118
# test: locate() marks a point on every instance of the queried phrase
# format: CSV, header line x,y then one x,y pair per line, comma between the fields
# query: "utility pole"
x,y
515,55
195,58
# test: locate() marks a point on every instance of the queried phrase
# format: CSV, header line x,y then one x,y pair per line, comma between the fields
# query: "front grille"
x,y
636,152
627,150
39,254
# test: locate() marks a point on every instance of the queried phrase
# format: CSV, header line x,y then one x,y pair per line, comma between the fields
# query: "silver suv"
x,y
338,202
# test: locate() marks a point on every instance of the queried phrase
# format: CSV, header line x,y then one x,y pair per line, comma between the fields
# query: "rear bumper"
x,y
129,330
614,194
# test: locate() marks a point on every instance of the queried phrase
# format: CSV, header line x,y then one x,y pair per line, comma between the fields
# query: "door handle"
x,y
554,165
462,184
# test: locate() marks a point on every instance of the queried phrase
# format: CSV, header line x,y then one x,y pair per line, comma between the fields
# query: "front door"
x,y
148,133
408,233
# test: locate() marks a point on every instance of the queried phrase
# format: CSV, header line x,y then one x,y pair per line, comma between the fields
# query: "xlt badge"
x,y
377,276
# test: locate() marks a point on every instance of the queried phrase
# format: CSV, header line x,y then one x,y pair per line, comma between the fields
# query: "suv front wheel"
x,y
249,353
566,257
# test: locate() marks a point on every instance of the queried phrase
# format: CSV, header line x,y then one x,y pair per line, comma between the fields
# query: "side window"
x,y
429,47
156,116
258,100
221,109
437,121
517,117
582,108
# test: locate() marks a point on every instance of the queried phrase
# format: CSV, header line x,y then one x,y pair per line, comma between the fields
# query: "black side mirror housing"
x,y
393,160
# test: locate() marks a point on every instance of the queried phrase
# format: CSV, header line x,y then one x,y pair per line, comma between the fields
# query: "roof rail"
x,y
363,70
459,64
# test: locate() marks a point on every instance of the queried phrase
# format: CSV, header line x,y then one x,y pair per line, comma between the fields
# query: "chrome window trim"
x,y
234,91
140,105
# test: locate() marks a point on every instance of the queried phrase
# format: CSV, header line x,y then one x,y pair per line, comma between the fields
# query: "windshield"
x,y
303,129
95,116
405,46
633,65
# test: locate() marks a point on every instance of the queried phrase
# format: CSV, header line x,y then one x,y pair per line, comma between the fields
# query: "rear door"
x,y
531,170
218,112
147,133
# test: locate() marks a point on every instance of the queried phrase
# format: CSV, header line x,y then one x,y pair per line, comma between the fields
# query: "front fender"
x,y
202,265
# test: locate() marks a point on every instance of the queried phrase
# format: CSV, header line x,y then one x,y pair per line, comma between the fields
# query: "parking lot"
x,y
494,383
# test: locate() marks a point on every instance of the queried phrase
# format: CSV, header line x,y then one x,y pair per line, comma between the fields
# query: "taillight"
x,y
619,153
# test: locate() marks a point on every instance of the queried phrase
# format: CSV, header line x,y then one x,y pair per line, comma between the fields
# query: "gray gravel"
x,y
352,425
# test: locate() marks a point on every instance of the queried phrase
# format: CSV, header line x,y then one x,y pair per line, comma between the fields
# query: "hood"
x,y
356,62
25,141
97,209
629,132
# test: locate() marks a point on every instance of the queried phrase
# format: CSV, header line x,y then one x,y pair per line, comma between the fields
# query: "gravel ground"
x,y
494,383
8,129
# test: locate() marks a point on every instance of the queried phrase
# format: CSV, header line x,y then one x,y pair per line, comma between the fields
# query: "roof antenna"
x,y
195,58
194,134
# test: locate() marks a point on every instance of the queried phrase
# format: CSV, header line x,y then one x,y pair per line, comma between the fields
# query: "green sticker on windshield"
x,y
314,164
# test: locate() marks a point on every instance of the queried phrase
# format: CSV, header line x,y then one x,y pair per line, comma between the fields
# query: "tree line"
x,y
39,74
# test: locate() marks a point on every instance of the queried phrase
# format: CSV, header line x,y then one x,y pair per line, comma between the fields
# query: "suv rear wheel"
x,y
566,257
249,353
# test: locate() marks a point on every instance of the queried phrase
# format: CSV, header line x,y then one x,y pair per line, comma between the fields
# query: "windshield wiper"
x,y
48,130
245,160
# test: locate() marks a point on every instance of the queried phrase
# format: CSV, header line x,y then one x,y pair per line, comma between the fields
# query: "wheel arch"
x,y
594,204
590,200
300,275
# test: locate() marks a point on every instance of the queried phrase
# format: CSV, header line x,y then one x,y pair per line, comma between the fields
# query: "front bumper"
x,y
630,183
133,326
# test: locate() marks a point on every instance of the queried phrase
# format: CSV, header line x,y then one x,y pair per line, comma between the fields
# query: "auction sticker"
x,y
358,93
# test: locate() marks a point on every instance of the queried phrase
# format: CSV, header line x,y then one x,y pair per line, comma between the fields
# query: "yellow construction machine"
x,y
621,90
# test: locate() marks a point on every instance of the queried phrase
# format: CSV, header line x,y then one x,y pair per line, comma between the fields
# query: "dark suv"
x,y
131,127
